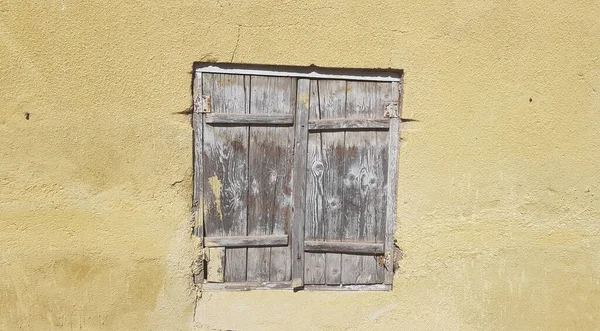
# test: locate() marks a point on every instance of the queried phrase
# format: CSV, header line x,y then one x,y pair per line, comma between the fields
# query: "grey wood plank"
x,y
225,160
281,268
299,181
343,247
392,189
236,258
246,286
270,156
365,176
302,72
370,287
336,124
249,119
332,101
197,136
197,197
314,227
246,241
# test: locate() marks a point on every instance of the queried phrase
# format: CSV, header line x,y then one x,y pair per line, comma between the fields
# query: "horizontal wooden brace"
x,y
348,124
249,119
246,286
343,247
246,241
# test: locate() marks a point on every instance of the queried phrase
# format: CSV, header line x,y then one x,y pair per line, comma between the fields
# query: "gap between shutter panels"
x,y
365,229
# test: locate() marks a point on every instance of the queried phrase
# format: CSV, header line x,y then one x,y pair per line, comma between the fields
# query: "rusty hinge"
x,y
391,110
202,104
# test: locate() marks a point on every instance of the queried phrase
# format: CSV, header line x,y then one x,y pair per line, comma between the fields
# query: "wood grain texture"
x,y
246,241
314,227
392,189
250,286
281,264
302,72
344,180
337,124
344,247
270,168
225,163
249,119
332,101
366,174
246,286
197,137
299,180
324,180
369,287
197,195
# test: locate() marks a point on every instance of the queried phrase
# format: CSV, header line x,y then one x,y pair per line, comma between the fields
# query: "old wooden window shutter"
x,y
295,175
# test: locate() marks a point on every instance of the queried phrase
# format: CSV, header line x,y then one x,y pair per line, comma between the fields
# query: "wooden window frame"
x,y
302,126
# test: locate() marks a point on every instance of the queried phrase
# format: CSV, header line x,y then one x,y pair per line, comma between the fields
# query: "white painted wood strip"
x,y
246,241
323,73
348,124
343,247
249,119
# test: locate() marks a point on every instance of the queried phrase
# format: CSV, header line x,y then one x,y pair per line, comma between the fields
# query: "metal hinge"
x,y
391,110
202,104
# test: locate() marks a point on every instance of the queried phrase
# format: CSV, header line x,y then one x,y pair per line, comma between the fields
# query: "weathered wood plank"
x,y
281,268
197,136
225,160
246,241
392,183
215,265
370,287
332,101
366,157
336,124
249,119
246,286
303,72
344,247
269,170
299,181
324,179
197,195
314,227
211,287
236,258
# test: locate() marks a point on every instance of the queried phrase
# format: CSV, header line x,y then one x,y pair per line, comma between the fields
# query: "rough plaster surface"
x,y
499,211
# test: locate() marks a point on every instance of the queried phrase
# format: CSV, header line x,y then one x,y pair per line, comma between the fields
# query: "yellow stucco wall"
x,y
499,211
